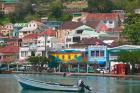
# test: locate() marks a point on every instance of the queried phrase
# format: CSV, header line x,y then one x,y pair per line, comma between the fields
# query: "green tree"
x,y
132,28
130,57
1,14
56,9
100,5
21,12
38,62
127,5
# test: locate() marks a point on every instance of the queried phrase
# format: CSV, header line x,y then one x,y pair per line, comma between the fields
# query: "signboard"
x,y
20,24
97,47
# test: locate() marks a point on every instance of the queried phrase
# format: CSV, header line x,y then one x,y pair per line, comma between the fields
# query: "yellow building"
x,y
68,60
66,57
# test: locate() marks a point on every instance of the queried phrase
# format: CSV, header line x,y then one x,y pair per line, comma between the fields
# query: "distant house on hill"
x,y
32,27
76,4
7,29
79,33
137,11
9,6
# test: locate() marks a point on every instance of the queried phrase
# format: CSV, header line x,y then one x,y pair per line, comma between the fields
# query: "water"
x,y
8,84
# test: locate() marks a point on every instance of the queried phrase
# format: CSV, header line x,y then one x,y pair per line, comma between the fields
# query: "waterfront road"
x,y
80,74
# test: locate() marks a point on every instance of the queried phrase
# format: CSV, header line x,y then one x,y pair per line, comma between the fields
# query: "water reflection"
x,y
99,84
9,85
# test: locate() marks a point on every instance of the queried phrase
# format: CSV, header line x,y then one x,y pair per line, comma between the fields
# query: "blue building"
x,y
17,27
97,55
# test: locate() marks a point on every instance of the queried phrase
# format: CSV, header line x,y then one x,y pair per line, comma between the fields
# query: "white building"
x,y
79,33
38,44
32,27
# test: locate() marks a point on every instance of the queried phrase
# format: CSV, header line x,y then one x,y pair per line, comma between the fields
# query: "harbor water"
x,y
8,83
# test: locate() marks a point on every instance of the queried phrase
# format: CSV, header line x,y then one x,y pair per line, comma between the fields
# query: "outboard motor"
x,y
83,86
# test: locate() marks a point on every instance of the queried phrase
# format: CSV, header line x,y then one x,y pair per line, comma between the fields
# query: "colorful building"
x,y
77,60
97,54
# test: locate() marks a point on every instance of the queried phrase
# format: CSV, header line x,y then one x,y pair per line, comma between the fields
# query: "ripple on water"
x,y
99,84
8,84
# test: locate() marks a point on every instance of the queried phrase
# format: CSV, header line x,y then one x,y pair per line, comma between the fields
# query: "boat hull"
x,y
39,85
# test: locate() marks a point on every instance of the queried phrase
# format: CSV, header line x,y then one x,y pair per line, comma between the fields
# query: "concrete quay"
x,y
80,74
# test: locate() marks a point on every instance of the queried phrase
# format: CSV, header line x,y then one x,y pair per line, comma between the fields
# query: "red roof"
x,y
116,29
92,41
70,25
74,25
49,32
9,49
31,36
102,16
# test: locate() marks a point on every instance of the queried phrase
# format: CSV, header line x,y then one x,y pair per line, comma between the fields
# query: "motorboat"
x,y
28,83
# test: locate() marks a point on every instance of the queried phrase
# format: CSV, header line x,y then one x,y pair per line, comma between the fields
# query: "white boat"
x,y
28,83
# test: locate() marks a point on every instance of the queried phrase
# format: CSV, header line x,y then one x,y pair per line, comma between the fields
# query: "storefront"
x,y
79,61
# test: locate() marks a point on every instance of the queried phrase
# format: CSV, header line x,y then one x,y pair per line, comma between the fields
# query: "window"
x,y
92,53
110,21
68,39
105,21
76,39
79,31
24,53
32,53
48,41
43,53
97,53
101,53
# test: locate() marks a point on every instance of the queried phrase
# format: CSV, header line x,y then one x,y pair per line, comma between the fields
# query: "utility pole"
x,y
46,55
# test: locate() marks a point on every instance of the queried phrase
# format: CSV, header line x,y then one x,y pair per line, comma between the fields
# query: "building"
x,y
7,29
38,44
97,55
137,11
76,4
52,24
79,33
85,42
69,27
9,54
32,27
65,29
16,28
66,60
9,6
76,60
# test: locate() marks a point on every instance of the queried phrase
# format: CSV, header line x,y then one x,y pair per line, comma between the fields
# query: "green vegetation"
x,y
129,57
53,9
38,62
127,5
4,20
100,5
132,29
